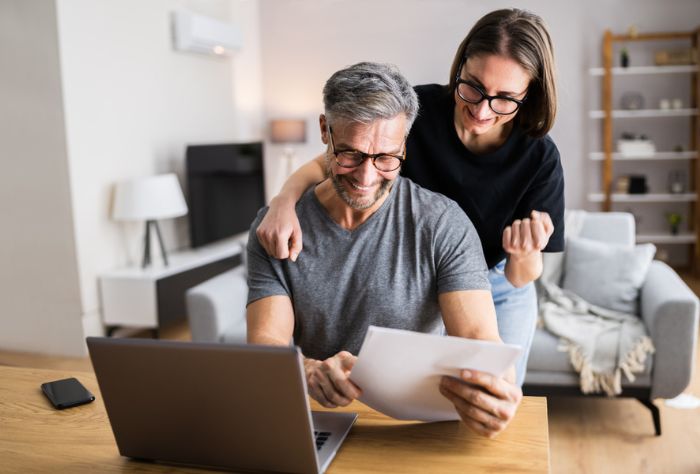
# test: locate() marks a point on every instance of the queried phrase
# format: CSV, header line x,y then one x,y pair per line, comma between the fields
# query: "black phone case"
x,y
87,397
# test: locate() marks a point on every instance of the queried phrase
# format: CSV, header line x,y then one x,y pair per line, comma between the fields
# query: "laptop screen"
x,y
233,406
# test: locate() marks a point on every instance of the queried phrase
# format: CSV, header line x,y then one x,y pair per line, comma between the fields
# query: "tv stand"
x,y
154,297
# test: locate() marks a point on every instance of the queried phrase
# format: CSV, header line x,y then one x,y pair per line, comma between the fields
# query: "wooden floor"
x,y
595,436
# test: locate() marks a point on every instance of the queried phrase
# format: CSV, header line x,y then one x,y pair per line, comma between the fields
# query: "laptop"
x,y
242,407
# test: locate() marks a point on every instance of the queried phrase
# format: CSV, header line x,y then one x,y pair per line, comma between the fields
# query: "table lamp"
x,y
288,131
149,199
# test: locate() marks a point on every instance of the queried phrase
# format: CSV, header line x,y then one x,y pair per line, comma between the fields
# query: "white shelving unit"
x,y
663,159
647,197
659,156
685,238
643,70
645,113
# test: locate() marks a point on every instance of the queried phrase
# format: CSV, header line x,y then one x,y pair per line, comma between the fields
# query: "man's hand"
x,y
329,380
485,403
527,235
279,232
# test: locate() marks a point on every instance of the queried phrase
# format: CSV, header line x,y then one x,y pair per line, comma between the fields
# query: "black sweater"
x,y
493,189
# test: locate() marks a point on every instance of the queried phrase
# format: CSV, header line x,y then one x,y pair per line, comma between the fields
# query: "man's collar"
x,y
341,213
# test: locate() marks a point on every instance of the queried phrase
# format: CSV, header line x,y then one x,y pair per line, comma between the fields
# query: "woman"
x,y
481,141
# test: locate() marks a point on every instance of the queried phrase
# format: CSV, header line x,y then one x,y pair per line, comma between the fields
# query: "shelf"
x,y
653,82
661,238
659,155
181,261
644,113
643,70
649,197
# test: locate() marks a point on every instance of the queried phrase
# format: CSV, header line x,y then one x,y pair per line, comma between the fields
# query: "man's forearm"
x,y
265,339
469,314
270,321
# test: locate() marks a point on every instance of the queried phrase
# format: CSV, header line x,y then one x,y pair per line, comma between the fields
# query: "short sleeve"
x,y
459,258
546,194
265,277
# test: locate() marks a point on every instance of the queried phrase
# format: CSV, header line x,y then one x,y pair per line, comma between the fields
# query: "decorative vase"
x,y
624,58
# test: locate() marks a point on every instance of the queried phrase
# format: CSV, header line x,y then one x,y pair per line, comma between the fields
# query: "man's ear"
x,y
324,128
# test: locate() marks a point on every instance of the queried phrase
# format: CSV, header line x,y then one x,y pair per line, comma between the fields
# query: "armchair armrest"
x,y
217,308
670,313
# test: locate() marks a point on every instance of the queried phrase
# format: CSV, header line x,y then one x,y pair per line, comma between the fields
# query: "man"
x,y
378,250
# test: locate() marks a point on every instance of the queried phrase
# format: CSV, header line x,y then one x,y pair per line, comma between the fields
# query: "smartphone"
x,y
66,393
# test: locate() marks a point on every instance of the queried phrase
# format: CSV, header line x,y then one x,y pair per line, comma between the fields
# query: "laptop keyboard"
x,y
321,438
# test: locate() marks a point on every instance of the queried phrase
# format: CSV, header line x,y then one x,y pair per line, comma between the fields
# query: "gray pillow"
x,y
607,275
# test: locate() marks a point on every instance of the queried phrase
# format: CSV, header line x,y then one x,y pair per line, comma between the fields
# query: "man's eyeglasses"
x,y
473,94
353,158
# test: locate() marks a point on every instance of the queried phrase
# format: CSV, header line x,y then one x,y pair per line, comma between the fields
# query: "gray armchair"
x,y
216,308
669,310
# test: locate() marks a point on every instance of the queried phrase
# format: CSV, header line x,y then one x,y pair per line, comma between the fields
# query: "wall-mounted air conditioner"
x,y
200,34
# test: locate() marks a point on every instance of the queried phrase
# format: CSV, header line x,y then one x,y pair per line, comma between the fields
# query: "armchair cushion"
x,y
547,358
607,275
216,308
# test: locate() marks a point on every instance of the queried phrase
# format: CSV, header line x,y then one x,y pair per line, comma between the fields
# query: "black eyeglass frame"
x,y
372,156
484,95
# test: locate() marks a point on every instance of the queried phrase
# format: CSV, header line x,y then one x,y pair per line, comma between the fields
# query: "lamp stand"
x,y
289,157
147,244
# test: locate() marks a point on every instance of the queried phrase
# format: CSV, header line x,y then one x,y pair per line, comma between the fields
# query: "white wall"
x,y
420,37
133,104
305,41
39,291
93,93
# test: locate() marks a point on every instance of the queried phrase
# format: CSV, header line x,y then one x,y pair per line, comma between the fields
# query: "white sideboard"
x,y
154,297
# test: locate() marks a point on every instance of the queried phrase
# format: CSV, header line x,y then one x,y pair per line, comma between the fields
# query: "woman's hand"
x,y
525,236
524,241
279,232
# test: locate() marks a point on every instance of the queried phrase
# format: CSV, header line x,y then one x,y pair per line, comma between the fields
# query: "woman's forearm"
x,y
309,174
279,232
521,270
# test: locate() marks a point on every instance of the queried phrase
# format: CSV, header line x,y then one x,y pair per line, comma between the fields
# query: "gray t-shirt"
x,y
387,272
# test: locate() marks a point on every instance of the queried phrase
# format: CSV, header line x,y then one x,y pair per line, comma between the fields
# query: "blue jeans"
x,y
516,311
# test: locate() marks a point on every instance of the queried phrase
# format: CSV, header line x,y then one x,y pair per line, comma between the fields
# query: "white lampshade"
x,y
154,197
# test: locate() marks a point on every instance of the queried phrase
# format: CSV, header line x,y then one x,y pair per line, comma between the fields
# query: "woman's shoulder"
x,y
541,156
430,95
428,89
433,101
542,148
423,201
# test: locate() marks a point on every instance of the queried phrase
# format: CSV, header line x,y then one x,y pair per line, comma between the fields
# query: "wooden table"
x,y
34,437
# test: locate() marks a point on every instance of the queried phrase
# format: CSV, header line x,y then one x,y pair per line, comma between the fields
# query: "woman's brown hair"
x,y
523,37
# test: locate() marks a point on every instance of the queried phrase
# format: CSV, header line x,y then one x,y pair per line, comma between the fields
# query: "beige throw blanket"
x,y
601,343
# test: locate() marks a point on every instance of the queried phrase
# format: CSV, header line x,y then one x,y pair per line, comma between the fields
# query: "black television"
x,y
225,189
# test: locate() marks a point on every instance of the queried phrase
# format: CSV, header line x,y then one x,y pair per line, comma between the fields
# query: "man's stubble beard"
x,y
341,190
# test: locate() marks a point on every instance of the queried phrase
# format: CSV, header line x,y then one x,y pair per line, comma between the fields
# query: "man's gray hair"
x,y
365,92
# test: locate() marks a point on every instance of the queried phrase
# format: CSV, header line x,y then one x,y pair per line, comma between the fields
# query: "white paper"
x,y
399,371
684,401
